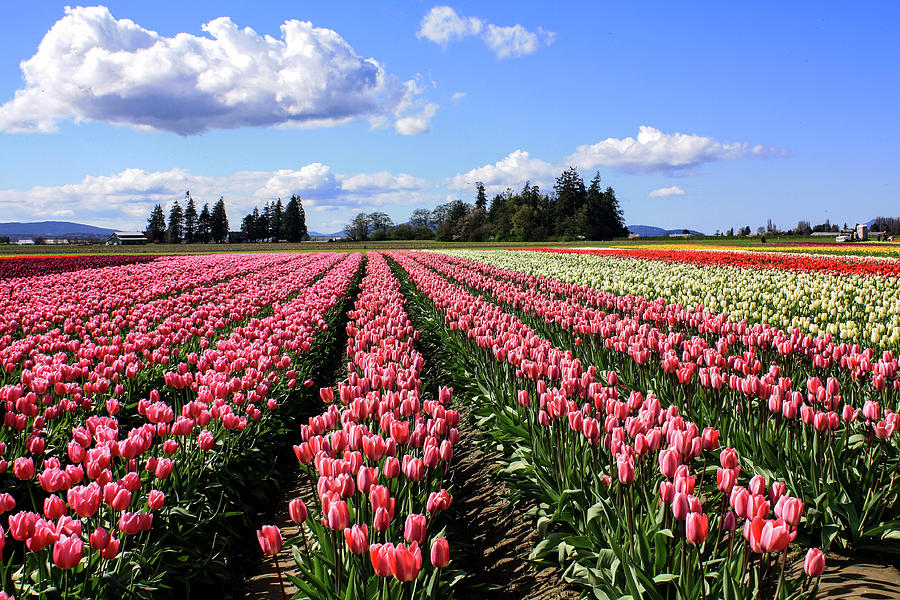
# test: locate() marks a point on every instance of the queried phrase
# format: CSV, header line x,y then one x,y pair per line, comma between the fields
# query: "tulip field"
x,y
681,424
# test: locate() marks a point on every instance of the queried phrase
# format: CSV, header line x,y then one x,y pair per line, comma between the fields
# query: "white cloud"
x,y
417,123
91,66
124,199
512,171
515,41
652,152
457,97
655,151
443,25
665,192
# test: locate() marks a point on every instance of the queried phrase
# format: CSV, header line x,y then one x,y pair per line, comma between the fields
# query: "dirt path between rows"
x,y
490,538
852,579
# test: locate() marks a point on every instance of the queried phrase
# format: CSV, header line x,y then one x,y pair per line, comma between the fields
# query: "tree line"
x,y
571,211
277,222
186,225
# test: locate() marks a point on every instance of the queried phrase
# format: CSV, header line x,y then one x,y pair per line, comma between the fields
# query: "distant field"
x,y
777,243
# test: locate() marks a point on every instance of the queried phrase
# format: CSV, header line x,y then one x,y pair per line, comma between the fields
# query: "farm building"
x,y
126,238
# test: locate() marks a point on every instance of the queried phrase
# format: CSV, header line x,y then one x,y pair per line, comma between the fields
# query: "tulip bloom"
x,y
357,538
414,530
67,552
406,562
440,552
269,538
297,511
382,556
696,527
814,563
775,536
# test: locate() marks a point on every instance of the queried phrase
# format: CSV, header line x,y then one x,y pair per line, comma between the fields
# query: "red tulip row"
x,y
380,454
808,263
634,430
215,405
29,266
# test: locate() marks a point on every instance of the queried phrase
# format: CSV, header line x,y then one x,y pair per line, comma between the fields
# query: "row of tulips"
x,y
622,524
723,343
853,308
29,266
114,507
377,464
68,300
804,263
811,437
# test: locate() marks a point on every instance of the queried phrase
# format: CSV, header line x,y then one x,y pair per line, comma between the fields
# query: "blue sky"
x,y
706,115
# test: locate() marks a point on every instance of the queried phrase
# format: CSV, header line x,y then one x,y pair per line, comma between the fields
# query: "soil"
x,y
859,578
491,538
264,583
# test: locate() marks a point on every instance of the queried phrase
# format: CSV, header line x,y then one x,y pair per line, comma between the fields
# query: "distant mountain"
x,y
651,231
53,229
328,235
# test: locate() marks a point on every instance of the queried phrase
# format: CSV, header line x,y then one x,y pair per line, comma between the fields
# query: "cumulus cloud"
x,y
457,97
124,199
652,152
512,171
655,151
443,25
665,192
91,66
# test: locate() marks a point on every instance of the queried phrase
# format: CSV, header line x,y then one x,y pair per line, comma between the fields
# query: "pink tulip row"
x,y
683,357
145,325
39,304
383,454
570,306
211,399
636,433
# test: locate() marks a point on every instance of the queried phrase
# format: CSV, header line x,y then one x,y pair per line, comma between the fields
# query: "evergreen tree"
x,y
302,231
156,225
176,224
190,220
261,223
293,222
277,214
204,225
571,197
248,224
480,196
218,226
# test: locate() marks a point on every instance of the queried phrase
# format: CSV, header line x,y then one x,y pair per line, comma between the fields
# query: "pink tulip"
x,y
814,563
269,538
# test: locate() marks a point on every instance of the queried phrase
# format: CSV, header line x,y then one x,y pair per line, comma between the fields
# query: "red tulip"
x,y
406,562
357,538
381,556
696,528
440,552
297,510
814,563
99,538
67,552
414,530
23,468
269,538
